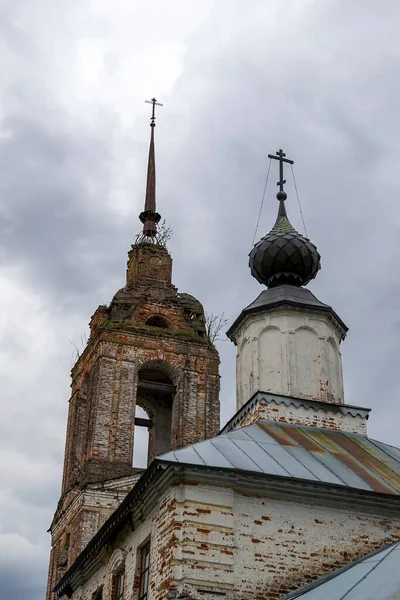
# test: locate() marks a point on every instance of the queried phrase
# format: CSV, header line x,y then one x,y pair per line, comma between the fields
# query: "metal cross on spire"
x,y
280,155
154,102
150,217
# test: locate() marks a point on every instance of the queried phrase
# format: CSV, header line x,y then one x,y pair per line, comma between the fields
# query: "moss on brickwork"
x,y
187,335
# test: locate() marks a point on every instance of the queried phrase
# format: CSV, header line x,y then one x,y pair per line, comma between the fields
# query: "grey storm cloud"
x,y
49,223
318,79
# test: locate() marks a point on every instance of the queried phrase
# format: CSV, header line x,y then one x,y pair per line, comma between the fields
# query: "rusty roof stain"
x,y
295,451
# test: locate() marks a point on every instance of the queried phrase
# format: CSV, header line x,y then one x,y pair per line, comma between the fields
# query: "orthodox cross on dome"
x,y
284,256
150,217
280,155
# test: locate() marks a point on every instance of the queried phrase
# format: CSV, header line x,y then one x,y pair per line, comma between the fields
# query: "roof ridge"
x,y
384,444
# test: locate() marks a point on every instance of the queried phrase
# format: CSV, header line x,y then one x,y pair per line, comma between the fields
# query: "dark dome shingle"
x,y
284,255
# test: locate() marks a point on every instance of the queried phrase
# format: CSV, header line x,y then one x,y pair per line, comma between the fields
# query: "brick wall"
x,y
101,418
110,424
215,542
78,519
128,543
102,408
301,415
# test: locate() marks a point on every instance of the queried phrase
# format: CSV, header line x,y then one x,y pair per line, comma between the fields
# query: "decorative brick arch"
x,y
116,561
159,364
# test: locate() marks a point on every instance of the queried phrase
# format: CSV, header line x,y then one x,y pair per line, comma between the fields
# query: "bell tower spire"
x,y
148,349
150,217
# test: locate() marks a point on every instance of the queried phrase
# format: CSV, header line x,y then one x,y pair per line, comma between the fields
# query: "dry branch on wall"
x,y
215,325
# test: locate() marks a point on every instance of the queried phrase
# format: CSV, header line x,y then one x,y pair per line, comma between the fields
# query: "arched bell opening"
x,y
155,395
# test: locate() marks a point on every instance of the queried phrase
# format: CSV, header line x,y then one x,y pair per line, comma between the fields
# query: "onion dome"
x,y
284,256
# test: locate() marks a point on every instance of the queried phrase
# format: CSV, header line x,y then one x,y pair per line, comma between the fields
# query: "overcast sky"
x,y
238,80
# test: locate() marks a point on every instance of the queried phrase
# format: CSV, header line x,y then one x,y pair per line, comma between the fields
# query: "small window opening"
x,y
157,321
118,585
144,572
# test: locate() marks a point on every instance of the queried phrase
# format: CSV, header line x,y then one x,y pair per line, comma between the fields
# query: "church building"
x,y
291,499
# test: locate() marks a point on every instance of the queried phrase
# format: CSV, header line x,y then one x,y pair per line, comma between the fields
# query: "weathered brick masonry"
x,y
148,348
106,378
213,542
295,411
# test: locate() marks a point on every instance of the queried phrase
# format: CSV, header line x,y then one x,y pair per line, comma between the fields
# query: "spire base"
x,y
149,218
149,215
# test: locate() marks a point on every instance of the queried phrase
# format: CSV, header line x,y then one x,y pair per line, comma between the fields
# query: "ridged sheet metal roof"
x,y
375,577
307,453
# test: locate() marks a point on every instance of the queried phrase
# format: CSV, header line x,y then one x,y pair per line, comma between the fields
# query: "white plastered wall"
x,y
228,545
291,353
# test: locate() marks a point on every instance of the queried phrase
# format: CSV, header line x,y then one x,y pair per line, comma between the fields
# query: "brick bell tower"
x,y
148,348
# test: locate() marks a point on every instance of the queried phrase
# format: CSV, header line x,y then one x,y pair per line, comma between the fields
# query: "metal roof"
x,y
308,453
374,577
287,295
